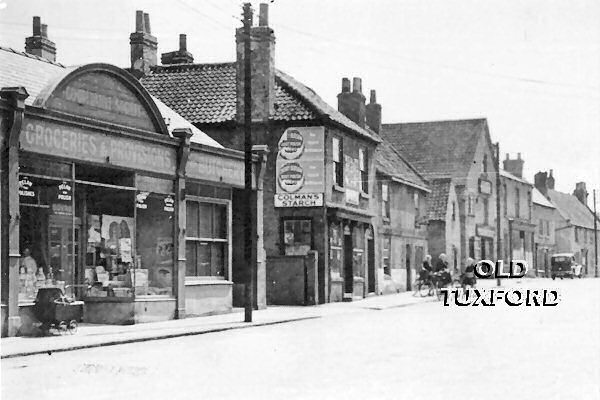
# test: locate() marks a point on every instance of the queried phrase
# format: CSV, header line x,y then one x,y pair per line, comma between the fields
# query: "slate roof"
x,y
538,198
510,176
36,73
389,162
438,148
437,201
22,69
206,94
572,209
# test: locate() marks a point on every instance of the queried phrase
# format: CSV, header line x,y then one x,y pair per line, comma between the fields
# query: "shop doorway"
x,y
371,266
348,273
408,273
63,246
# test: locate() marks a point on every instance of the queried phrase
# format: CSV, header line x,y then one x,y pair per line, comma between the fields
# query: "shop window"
x,y
386,254
335,251
469,205
154,243
517,203
338,162
109,236
385,200
416,205
297,236
358,252
363,164
49,246
207,239
486,211
505,195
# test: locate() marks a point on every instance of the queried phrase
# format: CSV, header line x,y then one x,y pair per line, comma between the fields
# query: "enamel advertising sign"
x,y
300,168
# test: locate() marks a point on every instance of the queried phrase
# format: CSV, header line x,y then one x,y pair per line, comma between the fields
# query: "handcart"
x,y
56,311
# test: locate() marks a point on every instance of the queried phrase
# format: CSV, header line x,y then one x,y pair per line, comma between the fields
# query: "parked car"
x,y
562,265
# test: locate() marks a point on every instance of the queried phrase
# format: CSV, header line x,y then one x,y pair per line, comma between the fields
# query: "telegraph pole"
x,y
595,235
249,287
498,225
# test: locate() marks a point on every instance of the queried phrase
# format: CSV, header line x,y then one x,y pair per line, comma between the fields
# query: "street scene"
x,y
309,199
420,351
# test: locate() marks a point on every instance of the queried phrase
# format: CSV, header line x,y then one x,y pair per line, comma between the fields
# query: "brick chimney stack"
x,y
352,103
550,182
181,56
515,166
263,68
541,182
39,44
373,110
143,46
580,192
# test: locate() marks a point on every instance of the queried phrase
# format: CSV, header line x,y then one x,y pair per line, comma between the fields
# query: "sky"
x,y
531,67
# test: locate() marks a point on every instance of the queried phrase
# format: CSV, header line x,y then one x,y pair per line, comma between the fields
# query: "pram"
x,y
55,311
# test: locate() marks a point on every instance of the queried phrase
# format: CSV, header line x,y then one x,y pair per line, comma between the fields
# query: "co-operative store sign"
x,y
300,167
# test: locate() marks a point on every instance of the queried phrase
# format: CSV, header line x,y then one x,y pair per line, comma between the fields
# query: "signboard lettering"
x,y
300,168
299,200
215,168
76,143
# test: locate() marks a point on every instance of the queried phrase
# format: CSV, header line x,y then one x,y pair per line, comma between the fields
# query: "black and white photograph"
x,y
309,199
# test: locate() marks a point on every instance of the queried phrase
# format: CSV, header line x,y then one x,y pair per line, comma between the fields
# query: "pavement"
x,y
91,335
386,347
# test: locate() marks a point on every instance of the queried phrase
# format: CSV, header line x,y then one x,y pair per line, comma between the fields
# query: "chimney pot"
x,y
345,85
357,85
550,173
182,42
518,156
139,21
373,99
507,156
44,30
37,26
147,23
263,14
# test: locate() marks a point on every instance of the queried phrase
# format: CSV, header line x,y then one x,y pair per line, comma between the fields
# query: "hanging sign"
x,y
140,200
300,167
65,192
169,204
26,187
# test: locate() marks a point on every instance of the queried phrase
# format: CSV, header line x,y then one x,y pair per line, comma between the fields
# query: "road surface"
x,y
423,351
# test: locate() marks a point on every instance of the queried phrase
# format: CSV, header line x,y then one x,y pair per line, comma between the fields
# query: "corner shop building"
x,y
112,196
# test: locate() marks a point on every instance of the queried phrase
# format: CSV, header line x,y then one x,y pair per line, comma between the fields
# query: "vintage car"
x,y
562,265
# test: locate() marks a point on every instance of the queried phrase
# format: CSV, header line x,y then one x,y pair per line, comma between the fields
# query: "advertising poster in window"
x,y
300,168
352,180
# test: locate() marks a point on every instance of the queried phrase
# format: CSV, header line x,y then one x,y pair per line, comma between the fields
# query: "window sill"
x,y
204,281
386,220
365,195
338,188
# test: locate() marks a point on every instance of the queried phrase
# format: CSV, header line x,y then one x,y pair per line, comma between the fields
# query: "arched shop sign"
x,y
93,102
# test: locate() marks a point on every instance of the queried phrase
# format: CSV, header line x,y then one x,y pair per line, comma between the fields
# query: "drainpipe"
x,y
15,97
184,135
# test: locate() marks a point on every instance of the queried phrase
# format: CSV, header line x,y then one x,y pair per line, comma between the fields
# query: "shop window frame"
x,y
192,279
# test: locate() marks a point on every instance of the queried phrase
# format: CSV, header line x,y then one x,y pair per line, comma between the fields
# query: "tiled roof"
x,y
22,69
437,201
538,198
572,209
389,162
438,148
36,73
206,94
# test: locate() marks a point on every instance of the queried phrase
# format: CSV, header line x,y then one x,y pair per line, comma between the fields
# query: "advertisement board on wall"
x,y
300,167
352,179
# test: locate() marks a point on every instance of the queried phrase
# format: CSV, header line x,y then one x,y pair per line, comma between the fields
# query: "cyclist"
x,y
427,269
442,271
468,277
